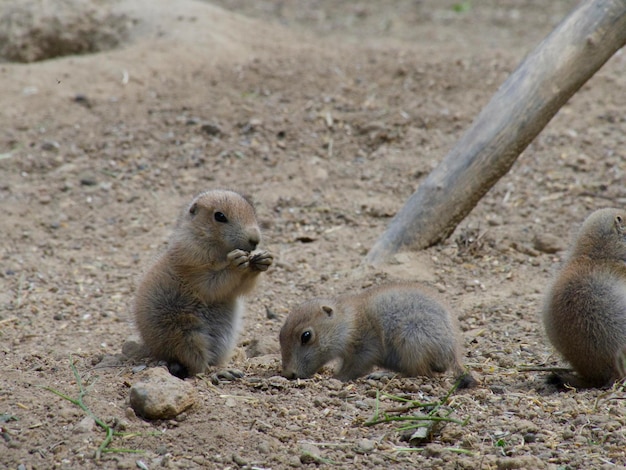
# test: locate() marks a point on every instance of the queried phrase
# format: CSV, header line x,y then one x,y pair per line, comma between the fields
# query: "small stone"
x,y
141,465
239,460
294,461
547,243
261,347
130,413
525,425
365,446
278,381
82,99
270,314
160,395
88,180
530,437
422,435
111,360
264,447
334,384
134,348
523,461
86,425
211,129
309,453
50,146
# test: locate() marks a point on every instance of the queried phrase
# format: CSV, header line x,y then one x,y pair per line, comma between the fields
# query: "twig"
x,y
20,288
543,369
8,320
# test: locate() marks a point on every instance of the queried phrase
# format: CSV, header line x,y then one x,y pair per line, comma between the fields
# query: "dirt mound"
x,y
34,30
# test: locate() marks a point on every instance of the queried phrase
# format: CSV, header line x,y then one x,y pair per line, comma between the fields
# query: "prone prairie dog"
x,y
401,327
584,313
189,305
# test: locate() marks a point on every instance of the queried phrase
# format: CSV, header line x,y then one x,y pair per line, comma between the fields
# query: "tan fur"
x,y
188,307
585,309
401,327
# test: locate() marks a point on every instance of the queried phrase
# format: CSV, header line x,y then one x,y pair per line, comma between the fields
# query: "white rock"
x,y
160,395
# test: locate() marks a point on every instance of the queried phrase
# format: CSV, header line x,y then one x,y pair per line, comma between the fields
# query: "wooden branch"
x,y
519,110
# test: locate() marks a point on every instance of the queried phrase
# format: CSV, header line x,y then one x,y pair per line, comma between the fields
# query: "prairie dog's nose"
x,y
253,239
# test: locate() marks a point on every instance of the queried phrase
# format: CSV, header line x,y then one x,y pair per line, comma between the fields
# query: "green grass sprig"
x,y
110,432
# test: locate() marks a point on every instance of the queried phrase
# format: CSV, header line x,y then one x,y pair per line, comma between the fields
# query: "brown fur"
x,y
585,310
400,327
188,307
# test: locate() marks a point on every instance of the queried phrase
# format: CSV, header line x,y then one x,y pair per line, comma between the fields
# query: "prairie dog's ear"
x,y
193,209
619,224
248,199
327,310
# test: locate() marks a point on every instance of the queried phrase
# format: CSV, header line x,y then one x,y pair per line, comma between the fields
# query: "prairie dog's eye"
x,y
220,217
306,337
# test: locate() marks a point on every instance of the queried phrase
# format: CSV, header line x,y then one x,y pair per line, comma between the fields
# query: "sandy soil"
x,y
329,114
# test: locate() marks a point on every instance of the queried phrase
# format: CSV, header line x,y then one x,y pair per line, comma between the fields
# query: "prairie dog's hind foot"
x,y
226,375
178,370
382,374
466,380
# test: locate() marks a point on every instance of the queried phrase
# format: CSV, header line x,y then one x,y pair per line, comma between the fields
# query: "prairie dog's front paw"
x,y
239,258
261,260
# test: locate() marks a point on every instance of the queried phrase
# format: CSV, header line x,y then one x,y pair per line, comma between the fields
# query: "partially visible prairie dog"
x,y
401,327
585,309
189,305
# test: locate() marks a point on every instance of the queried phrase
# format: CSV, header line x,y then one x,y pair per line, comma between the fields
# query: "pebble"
x,y
211,129
264,447
50,146
365,446
548,243
86,425
334,384
294,461
523,461
261,347
278,381
88,180
133,347
160,395
309,453
239,460
110,360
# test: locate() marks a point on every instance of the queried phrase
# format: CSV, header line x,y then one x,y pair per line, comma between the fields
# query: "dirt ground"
x,y
329,114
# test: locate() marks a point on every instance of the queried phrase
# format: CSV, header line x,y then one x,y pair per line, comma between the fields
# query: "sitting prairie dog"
x,y
585,309
400,327
189,307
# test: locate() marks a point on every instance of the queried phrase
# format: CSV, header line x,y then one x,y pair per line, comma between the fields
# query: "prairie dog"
x,y
400,327
585,309
189,305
